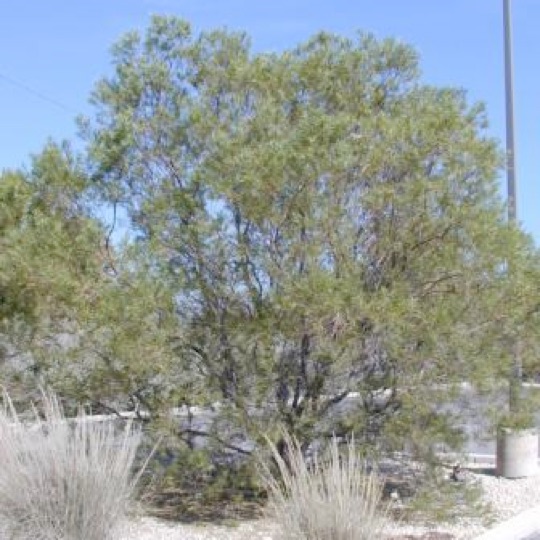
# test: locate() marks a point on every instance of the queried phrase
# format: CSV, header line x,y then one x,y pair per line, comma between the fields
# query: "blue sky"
x,y
52,53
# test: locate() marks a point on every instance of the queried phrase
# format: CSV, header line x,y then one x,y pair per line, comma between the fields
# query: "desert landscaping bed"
x,y
505,497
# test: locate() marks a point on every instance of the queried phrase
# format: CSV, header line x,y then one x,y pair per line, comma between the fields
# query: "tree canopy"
x,y
327,223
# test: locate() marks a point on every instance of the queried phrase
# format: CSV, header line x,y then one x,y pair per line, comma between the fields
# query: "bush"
x,y
324,499
181,483
64,480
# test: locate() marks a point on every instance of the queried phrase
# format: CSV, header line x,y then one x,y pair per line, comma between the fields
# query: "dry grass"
x,y
334,498
64,480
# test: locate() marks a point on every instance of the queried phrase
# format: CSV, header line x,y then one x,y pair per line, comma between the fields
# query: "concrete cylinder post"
x,y
517,453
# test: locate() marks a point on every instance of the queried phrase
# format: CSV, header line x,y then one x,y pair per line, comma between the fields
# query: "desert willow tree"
x,y
326,223
49,260
77,313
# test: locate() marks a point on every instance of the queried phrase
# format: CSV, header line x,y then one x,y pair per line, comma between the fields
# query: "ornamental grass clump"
x,y
329,498
64,479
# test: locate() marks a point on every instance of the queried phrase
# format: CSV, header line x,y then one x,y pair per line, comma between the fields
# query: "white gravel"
x,y
154,529
507,498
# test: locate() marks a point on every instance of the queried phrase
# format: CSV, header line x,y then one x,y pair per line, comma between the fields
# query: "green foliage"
x,y
50,259
436,501
325,223
185,483
517,420
49,245
315,241
122,356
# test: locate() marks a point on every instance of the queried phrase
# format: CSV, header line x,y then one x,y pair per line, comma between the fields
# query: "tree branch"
x,y
198,433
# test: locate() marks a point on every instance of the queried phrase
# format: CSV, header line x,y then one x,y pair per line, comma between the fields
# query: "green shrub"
x,y
191,484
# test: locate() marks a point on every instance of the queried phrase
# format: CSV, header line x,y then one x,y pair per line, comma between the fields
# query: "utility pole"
x,y
515,379
509,91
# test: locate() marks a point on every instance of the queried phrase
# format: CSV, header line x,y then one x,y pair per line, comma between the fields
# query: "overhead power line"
x,y
36,93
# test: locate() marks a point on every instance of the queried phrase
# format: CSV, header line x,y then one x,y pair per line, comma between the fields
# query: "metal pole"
x,y
515,379
509,86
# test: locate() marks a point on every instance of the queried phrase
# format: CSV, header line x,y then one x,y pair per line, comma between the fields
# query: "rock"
x,y
457,474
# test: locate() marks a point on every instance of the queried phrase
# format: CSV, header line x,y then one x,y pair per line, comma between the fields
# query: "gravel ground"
x,y
153,529
506,498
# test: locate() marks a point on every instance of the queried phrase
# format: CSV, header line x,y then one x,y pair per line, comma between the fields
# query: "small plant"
x,y
438,498
334,498
521,420
185,483
61,479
